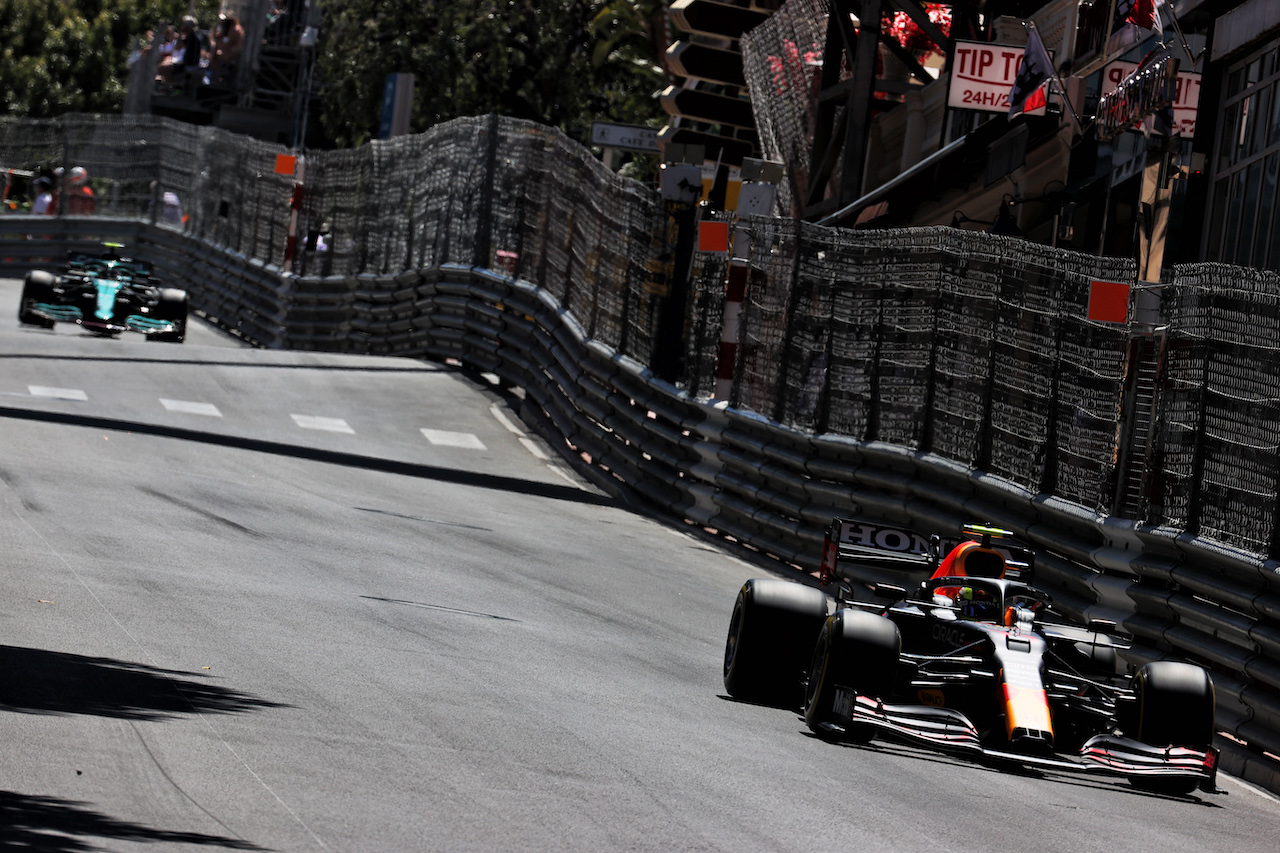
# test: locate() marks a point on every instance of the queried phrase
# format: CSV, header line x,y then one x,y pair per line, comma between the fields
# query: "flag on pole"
x,y
1140,13
1036,69
1135,21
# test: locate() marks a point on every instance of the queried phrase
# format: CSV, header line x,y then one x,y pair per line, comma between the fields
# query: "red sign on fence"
x,y
713,237
1108,301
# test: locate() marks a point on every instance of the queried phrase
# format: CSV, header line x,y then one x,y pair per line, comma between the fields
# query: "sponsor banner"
x,y
982,75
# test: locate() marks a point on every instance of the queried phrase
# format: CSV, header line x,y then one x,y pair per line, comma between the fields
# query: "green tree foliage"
x,y
560,62
59,56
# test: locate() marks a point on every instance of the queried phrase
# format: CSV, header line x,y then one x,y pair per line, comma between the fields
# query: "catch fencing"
x,y
923,378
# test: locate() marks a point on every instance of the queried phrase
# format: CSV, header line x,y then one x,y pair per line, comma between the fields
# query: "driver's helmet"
x,y
78,175
975,607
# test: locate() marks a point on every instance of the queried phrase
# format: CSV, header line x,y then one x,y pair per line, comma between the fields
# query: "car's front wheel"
x,y
771,633
172,307
1175,708
36,287
856,655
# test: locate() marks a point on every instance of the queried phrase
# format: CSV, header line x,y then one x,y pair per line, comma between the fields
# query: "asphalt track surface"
x,y
303,623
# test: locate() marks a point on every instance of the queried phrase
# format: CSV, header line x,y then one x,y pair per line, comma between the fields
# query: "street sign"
x,y
627,136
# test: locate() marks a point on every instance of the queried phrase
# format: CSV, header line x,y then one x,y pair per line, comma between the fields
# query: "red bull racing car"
x,y
972,660
105,293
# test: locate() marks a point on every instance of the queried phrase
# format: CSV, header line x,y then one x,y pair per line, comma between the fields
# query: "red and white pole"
x,y
295,205
755,197
735,292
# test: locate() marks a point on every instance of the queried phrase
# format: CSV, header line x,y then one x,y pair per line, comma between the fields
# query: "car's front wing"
x,y
131,323
951,730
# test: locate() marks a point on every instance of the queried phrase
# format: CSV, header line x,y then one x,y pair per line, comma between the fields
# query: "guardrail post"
x,y
484,219
788,337
668,349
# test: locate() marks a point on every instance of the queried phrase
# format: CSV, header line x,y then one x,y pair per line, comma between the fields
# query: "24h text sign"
x,y
982,76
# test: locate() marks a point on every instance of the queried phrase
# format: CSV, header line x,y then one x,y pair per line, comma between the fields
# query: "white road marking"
x,y
57,393
187,407
566,477
445,438
533,448
529,444
501,417
325,424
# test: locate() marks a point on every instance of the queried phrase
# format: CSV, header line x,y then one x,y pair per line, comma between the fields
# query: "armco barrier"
x,y
771,488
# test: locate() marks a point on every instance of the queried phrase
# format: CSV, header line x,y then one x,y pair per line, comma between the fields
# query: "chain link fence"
x,y
492,192
1217,472
782,63
967,345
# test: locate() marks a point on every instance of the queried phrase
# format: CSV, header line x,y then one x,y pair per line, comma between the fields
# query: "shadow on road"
x,y
63,826
498,482
34,681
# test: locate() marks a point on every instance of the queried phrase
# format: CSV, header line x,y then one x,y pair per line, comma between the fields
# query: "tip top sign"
x,y
982,76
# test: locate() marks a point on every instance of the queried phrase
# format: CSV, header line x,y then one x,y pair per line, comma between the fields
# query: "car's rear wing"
x,y
863,551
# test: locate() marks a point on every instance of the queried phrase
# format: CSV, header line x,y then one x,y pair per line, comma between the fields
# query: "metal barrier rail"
x,y
771,488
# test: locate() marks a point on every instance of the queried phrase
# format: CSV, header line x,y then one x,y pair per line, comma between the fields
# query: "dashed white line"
x,y
532,446
325,424
444,438
501,417
57,393
566,477
188,407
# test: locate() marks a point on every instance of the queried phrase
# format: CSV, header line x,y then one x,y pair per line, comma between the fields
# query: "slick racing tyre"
x,y
857,651
36,287
771,635
173,307
1175,708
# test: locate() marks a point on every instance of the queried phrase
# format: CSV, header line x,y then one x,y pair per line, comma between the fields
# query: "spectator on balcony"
x,y
192,46
170,49
228,41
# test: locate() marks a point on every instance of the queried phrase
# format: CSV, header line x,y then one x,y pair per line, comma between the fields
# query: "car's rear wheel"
x,y
1175,708
856,654
173,307
36,287
771,633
